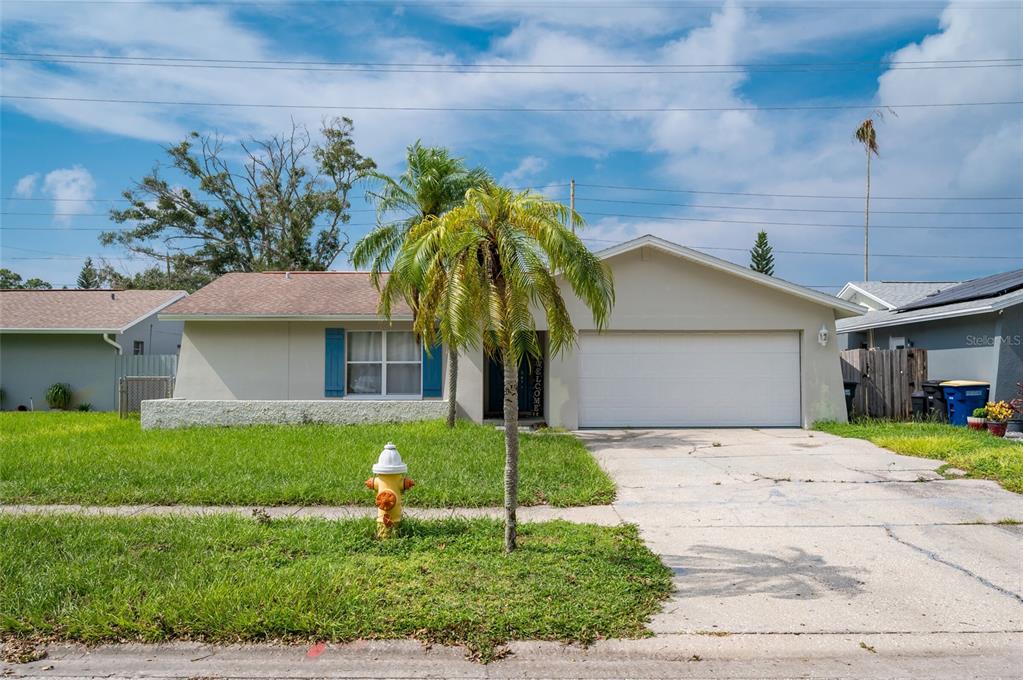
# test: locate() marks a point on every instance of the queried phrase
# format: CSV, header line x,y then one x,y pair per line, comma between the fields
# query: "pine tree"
x,y
762,255
89,276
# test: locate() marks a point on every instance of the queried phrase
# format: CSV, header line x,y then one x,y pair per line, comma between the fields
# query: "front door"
x,y
531,388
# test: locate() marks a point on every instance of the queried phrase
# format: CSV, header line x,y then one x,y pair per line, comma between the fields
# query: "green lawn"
x,y
978,453
232,579
96,458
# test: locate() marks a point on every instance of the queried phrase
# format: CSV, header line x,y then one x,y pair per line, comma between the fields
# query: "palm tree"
x,y
867,136
481,269
433,183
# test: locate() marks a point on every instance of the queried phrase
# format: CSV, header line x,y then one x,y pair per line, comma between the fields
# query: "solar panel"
x,y
977,289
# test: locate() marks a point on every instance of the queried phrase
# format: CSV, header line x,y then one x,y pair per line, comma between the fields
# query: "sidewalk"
x,y
604,515
867,657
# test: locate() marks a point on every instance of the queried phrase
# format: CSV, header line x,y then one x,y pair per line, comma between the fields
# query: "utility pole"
x,y
866,226
571,201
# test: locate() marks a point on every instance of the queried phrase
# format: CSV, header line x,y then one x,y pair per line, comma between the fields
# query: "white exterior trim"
x,y
857,289
63,331
283,317
153,311
896,320
843,308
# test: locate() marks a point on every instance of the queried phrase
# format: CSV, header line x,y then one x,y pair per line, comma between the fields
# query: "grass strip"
x,y
99,459
230,579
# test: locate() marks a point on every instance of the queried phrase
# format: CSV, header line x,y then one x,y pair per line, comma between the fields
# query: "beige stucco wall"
x,y
258,359
656,291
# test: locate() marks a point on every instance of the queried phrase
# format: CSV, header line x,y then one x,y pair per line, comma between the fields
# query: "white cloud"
x,y
527,169
26,186
973,151
71,190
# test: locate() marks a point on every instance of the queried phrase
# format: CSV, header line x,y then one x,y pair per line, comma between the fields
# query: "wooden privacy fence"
x,y
148,376
887,379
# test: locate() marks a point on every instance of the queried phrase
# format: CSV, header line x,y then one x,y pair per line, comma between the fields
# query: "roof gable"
x,y
80,311
842,308
892,294
893,317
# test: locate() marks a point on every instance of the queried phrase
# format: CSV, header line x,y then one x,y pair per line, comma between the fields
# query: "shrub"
x,y
980,412
58,396
85,406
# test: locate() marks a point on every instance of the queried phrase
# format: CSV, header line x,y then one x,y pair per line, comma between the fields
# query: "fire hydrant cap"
x,y
390,462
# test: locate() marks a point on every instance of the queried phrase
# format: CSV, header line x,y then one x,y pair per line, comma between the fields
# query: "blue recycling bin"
x,y
962,396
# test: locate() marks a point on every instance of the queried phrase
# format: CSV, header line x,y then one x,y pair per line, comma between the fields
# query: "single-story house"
x,y
971,330
76,337
692,341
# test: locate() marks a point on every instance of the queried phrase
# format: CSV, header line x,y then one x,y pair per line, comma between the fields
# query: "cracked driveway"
x,y
796,532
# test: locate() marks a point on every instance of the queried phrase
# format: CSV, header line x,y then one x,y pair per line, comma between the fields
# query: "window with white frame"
x,y
384,363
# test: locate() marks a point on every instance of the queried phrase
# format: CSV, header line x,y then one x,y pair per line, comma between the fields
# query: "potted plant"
x,y
58,396
1015,426
978,419
998,414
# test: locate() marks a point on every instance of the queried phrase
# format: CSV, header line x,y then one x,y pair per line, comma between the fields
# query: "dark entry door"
x,y
531,392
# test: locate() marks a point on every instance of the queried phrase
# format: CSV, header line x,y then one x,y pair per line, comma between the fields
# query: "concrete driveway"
x,y
795,532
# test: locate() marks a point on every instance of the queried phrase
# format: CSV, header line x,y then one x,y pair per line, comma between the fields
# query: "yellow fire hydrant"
x,y
390,483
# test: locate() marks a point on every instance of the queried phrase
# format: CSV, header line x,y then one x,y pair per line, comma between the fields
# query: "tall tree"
x,y
37,284
481,269
284,207
762,255
866,135
89,277
11,280
433,183
178,273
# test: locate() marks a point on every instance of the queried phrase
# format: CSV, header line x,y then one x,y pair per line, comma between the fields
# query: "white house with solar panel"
x,y
971,330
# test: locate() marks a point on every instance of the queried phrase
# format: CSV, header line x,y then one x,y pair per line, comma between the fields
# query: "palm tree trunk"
x,y
511,449
452,385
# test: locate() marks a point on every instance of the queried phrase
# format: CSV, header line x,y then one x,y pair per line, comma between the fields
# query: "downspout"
x,y
113,343
117,388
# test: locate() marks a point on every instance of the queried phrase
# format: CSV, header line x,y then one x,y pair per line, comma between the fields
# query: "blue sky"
x,y
85,153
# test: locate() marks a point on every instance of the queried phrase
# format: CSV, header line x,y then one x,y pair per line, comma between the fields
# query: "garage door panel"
x,y
689,379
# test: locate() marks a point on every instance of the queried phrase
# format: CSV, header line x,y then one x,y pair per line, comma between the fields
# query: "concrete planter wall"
x,y
174,413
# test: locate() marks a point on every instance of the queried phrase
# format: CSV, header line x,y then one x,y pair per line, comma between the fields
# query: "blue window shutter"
x,y
432,382
334,368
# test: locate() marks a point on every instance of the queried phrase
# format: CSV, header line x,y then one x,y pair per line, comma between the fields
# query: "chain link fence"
x,y
133,390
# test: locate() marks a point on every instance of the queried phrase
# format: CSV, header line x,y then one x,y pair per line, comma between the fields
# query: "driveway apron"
x,y
781,531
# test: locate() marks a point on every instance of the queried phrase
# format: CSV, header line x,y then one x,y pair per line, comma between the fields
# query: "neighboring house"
x,y
693,341
75,337
971,330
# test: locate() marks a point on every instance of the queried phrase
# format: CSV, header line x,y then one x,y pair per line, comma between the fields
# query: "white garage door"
x,y
689,379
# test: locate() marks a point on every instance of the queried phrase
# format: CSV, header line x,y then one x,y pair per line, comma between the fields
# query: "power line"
x,y
502,109
77,214
747,193
538,4
117,227
661,218
808,210
470,69
125,200
513,65
839,254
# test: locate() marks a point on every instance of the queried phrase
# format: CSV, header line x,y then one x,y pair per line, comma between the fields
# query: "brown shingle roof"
x,y
107,311
279,294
